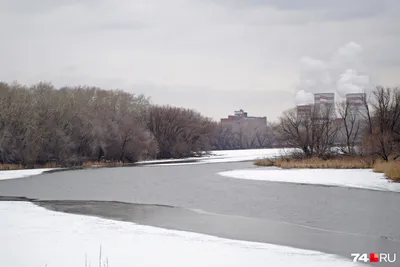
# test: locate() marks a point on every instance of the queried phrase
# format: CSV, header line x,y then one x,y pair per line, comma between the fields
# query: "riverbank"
x,y
348,178
214,156
91,164
15,173
390,169
91,241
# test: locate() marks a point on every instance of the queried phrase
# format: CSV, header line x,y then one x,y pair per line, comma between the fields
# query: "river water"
x,y
195,198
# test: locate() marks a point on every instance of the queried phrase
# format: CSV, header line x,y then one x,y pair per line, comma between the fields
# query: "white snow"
x,y
217,156
33,236
214,157
14,174
358,178
246,154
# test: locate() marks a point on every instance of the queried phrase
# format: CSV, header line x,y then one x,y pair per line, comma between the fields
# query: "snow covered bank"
x,y
215,156
33,236
249,154
14,174
219,156
245,154
358,178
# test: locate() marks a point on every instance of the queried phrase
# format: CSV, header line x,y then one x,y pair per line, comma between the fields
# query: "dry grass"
x,y
9,167
380,166
316,163
390,168
264,163
91,164
88,164
50,165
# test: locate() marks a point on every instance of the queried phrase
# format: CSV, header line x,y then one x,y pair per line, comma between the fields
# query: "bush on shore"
x,y
390,168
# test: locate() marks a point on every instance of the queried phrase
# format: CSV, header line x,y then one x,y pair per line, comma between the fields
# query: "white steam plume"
x,y
304,98
351,82
338,75
349,51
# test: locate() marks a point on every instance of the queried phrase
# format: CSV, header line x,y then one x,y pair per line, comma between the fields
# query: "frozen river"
x,y
195,198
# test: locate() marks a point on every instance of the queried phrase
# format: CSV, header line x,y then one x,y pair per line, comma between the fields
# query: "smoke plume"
x,y
304,98
340,74
351,82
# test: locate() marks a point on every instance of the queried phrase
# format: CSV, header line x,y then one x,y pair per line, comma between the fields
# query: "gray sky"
x,y
212,55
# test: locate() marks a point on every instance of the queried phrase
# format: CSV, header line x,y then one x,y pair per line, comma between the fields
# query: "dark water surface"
x,y
194,198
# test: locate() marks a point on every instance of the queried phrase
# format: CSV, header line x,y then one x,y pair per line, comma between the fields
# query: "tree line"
x,y
71,125
226,137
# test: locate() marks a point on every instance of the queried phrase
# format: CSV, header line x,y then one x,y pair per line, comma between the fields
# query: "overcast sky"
x,y
212,55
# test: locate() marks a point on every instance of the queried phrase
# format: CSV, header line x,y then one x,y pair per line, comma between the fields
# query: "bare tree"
x,y
70,125
178,132
315,133
265,136
250,135
350,127
223,137
246,136
384,139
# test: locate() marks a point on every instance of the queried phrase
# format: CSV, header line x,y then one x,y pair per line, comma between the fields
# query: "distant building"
x,y
241,120
324,104
304,112
356,104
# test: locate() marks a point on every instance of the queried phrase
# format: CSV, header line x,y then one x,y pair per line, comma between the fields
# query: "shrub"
x,y
380,166
393,172
264,163
390,168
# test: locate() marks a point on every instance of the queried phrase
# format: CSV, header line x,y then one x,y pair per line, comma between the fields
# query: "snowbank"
x,y
218,156
357,178
33,236
215,157
246,154
14,174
